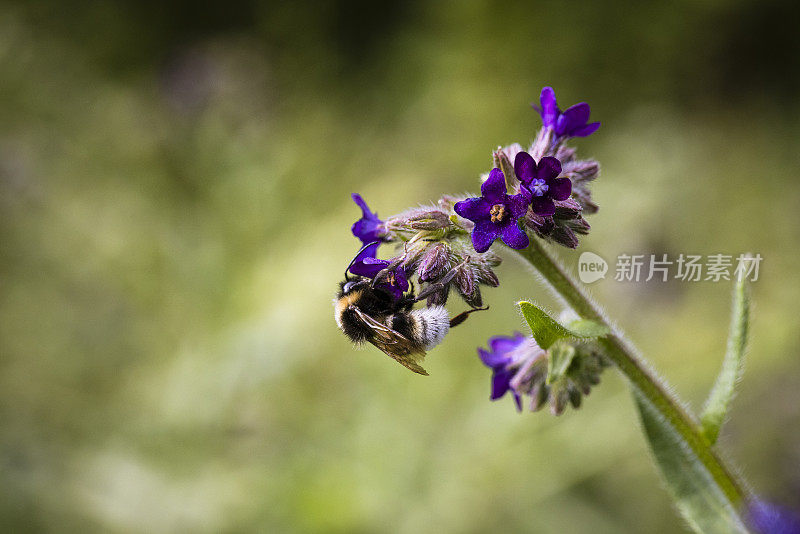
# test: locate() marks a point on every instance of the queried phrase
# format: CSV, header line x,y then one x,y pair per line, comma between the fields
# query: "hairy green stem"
x,y
622,353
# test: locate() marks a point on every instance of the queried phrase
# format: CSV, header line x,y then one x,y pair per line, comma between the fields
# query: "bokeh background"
x,y
174,218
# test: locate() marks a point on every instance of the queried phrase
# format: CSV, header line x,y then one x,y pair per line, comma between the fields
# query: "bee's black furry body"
x,y
368,314
377,304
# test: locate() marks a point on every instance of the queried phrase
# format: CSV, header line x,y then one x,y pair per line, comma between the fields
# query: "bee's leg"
x,y
438,285
461,317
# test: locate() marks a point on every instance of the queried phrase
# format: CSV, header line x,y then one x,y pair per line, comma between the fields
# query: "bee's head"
x,y
347,286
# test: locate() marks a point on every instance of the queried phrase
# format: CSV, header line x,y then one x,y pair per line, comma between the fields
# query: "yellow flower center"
x,y
498,213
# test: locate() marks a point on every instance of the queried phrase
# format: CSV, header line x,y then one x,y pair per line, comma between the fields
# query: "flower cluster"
x,y
431,247
549,176
523,368
540,191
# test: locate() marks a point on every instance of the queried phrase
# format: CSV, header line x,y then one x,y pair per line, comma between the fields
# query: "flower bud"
x,y
485,275
559,396
434,261
581,171
540,392
465,283
575,396
438,298
565,154
579,225
564,236
567,209
413,254
584,198
542,226
502,159
429,220
490,258
545,144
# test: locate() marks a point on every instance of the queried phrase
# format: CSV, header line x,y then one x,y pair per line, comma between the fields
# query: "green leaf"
x,y
703,505
547,330
585,328
719,400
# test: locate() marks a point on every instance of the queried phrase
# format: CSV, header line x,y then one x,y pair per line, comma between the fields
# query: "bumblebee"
x,y
368,313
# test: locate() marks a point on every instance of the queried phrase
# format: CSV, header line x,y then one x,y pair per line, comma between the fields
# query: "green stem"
x,y
622,353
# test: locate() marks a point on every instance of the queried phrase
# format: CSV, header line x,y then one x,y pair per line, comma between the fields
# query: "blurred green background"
x,y
174,192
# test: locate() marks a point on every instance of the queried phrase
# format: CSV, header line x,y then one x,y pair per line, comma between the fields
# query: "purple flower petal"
x,y
549,168
501,380
367,213
518,204
494,359
524,167
368,251
577,115
767,518
401,279
494,188
395,284
549,111
514,237
368,267
369,227
560,189
517,399
474,209
561,125
543,206
504,344
569,123
587,130
484,234
357,266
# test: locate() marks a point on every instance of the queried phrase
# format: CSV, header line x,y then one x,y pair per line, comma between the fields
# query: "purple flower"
x,y
502,362
541,182
369,227
495,214
393,278
569,123
768,518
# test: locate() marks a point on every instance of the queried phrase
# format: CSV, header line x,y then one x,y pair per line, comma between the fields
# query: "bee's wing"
x,y
394,344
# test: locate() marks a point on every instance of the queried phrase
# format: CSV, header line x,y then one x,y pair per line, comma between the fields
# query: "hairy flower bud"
x,y
485,275
584,198
429,220
467,286
578,225
438,298
581,171
565,153
412,255
564,236
503,158
490,258
434,262
567,209
545,144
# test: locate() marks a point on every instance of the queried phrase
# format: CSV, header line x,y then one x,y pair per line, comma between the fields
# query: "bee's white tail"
x,y
432,324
